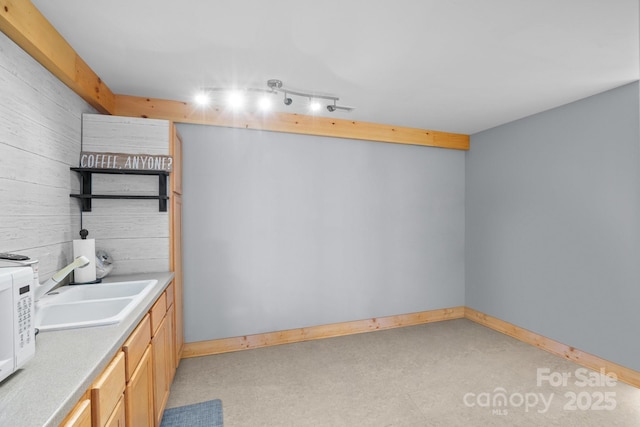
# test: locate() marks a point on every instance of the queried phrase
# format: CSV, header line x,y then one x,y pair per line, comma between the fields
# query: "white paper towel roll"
x,y
86,247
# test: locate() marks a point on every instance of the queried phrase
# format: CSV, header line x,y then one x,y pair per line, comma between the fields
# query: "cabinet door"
x,y
117,418
159,347
171,344
80,416
107,391
139,393
176,266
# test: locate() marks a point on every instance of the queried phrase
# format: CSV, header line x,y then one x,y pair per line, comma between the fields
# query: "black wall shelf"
x,y
86,196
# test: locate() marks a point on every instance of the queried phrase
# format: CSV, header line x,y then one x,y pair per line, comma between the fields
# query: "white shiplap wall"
x,y
133,232
40,136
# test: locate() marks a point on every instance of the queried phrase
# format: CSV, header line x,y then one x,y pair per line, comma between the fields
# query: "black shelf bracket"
x,y
86,195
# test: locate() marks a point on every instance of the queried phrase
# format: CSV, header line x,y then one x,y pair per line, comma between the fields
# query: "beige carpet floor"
x,y
453,373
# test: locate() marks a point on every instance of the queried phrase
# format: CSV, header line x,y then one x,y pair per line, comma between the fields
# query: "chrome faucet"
x,y
45,287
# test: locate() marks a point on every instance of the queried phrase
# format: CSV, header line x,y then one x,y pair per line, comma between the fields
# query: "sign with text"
x,y
126,161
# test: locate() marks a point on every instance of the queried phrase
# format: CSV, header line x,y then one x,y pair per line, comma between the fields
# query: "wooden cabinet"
x,y
171,330
134,388
171,353
176,266
139,393
159,346
80,416
176,240
139,376
107,391
162,350
171,318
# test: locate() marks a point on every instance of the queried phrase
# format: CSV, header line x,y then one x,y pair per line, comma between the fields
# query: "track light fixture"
x,y
276,85
333,107
237,98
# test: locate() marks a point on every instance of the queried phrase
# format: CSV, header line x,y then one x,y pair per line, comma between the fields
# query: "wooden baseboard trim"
x,y
587,360
225,345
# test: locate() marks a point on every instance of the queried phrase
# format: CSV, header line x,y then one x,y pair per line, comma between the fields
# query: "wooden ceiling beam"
x,y
183,112
22,22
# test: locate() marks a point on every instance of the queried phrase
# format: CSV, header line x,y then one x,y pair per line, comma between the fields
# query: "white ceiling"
x,y
451,65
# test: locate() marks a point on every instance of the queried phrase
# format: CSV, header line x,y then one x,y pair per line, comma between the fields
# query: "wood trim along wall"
x,y
183,112
23,23
587,360
225,345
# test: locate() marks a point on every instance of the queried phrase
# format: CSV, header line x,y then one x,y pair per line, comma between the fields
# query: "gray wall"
x,y
553,224
284,231
40,123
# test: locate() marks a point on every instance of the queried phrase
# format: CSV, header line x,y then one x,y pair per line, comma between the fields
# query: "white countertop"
x,y
66,363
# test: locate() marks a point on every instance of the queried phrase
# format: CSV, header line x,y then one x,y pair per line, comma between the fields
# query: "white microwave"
x,y
17,331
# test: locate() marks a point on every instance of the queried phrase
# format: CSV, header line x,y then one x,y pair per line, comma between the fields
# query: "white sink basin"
x,y
98,291
81,306
82,314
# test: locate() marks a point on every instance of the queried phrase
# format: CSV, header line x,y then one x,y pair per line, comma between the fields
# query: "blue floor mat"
x,y
204,414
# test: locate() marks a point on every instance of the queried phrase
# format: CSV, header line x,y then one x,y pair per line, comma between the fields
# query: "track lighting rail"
x,y
275,86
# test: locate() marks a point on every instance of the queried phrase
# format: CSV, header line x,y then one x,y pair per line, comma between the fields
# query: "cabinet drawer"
x,y
157,312
136,345
80,416
107,391
170,294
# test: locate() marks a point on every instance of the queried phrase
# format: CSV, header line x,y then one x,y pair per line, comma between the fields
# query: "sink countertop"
x,y
67,362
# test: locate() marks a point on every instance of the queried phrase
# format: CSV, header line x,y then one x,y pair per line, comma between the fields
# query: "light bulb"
x,y
265,103
315,106
202,99
235,100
